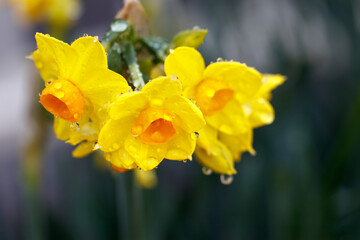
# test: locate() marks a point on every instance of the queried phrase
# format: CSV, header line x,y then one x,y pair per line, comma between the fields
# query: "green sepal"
x,y
118,28
189,38
114,58
157,45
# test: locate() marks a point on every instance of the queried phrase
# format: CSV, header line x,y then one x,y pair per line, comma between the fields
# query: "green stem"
x,y
131,61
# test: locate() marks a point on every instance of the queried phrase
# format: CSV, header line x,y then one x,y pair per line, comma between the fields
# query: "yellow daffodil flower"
x,y
79,87
219,90
149,125
57,12
219,151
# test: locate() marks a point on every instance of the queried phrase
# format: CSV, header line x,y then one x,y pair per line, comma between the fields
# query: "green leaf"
x,y
114,58
189,38
157,45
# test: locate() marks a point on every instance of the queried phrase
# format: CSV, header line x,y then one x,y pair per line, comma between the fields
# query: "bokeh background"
x,y
304,182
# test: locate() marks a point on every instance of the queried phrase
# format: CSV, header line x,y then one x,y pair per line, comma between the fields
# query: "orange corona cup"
x,y
63,99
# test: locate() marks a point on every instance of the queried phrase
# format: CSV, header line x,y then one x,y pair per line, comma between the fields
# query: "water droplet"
x,y
185,161
39,94
57,85
189,157
96,146
206,171
171,51
226,179
96,38
85,35
49,82
197,134
59,94
219,59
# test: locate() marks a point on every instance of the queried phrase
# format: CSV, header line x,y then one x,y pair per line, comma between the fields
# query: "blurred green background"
x,y
304,182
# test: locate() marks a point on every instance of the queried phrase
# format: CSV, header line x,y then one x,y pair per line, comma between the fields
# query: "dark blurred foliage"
x,y
304,182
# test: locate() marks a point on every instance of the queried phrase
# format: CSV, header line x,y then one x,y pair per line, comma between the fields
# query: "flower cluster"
x,y
211,110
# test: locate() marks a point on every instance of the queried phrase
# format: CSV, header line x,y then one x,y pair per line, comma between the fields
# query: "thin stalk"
x,y
133,66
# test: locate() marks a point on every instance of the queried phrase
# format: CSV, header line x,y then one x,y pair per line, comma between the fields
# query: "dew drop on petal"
x,y
197,134
219,59
189,157
85,35
226,179
206,171
59,94
185,161
57,85
96,146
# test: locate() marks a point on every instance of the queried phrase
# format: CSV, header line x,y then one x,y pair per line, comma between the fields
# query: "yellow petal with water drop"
x,y
114,133
128,104
155,88
220,161
121,159
190,117
102,86
243,80
187,64
231,119
65,57
181,146
146,156
91,56
237,144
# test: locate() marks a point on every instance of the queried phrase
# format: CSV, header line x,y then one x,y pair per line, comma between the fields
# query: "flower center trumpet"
x,y
154,125
63,99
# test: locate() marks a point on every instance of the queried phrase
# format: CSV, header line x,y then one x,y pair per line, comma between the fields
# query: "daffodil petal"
x,y
190,116
181,146
155,88
238,144
121,159
84,149
245,81
147,156
231,119
269,83
46,64
128,104
114,133
262,113
208,138
62,129
65,56
103,86
91,56
187,64
220,161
